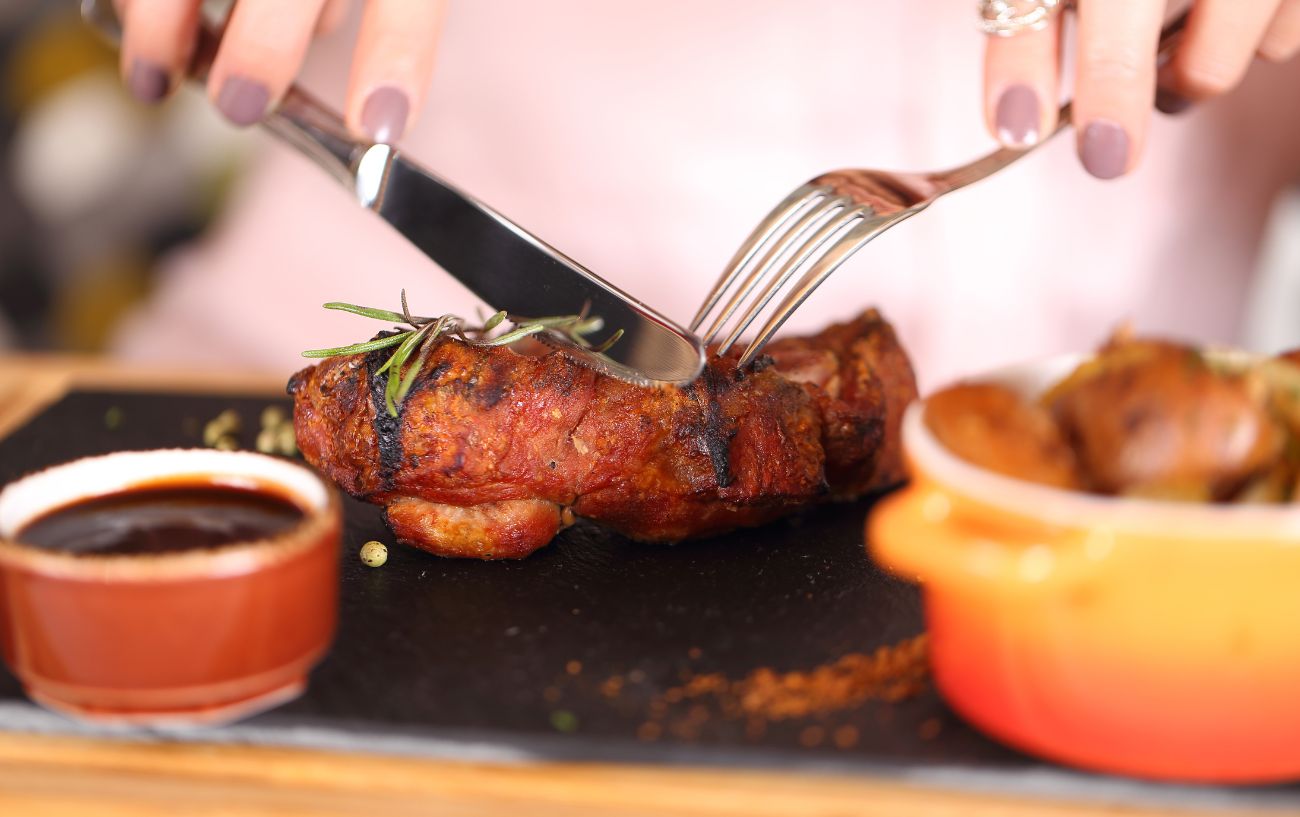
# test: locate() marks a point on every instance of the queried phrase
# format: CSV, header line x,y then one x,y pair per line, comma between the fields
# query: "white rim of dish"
x,y
28,497
1073,509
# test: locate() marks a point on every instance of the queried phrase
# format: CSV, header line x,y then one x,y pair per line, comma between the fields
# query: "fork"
x,y
822,223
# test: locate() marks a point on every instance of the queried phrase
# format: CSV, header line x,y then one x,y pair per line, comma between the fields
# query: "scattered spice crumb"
x,y
113,418
273,416
845,737
266,441
649,731
573,667
890,674
564,721
694,653
612,687
551,694
286,440
276,435
812,736
224,427
930,729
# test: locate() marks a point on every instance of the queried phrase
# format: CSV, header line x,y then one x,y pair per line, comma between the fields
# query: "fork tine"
x,y
778,244
769,225
852,241
799,258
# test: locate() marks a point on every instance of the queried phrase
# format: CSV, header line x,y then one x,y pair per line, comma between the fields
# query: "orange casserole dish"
x,y
1142,637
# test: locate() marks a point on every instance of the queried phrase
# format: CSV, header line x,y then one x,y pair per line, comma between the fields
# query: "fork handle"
x,y
959,177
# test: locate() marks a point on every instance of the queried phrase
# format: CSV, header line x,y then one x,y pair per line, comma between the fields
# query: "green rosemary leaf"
x,y
389,393
418,340
518,333
404,351
554,322
406,310
609,341
391,386
586,327
399,383
408,379
358,348
366,311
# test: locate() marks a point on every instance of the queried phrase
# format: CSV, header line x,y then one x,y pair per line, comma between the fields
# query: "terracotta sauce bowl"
x,y
190,636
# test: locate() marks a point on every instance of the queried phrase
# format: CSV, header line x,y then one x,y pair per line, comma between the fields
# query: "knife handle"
x,y
299,119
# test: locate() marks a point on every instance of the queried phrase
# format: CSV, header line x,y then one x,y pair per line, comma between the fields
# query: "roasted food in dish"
x,y
992,425
1142,418
493,452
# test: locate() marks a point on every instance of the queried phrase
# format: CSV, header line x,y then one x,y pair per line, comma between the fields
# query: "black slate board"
x,y
454,658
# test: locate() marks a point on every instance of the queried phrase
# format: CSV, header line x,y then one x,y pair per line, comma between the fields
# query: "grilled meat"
x,y
493,452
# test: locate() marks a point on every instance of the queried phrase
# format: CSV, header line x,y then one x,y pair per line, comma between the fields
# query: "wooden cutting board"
x,y
508,662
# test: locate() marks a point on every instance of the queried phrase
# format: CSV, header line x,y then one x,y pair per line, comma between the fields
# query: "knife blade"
x,y
499,261
511,269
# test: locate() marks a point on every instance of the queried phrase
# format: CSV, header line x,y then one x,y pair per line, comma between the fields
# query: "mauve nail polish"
x,y
1017,116
242,101
148,81
1104,149
1168,102
384,115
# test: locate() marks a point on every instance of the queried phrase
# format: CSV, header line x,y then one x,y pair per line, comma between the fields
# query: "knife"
x,y
506,266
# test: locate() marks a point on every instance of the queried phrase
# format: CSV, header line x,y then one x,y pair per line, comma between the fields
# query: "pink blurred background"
x,y
646,140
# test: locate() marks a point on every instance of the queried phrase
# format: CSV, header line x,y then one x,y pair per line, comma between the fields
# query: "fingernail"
x,y
148,81
1171,103
1104,149
242,101
384,115
1018,116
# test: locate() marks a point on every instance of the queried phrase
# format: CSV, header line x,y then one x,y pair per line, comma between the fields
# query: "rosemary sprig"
x,y
419,339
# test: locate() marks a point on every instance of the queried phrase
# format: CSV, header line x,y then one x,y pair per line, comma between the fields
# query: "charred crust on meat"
x,y
296,381
563,375
353,389
714,433
388,429
755,366
429,379
492,385
457,463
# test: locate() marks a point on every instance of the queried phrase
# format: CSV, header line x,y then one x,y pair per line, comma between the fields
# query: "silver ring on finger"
x,y
1007,18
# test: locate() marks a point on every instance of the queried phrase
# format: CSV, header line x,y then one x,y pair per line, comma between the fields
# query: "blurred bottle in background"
x,y
94,188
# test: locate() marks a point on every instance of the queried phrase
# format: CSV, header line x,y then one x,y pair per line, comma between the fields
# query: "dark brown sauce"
x,y
163,519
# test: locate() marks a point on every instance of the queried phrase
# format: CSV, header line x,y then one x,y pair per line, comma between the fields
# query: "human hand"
x,y
1116,77
263,47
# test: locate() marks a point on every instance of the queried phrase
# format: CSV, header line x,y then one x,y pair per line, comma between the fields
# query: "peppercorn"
x,y
374,554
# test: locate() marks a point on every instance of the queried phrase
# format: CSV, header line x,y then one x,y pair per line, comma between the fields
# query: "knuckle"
x,y
1113,62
